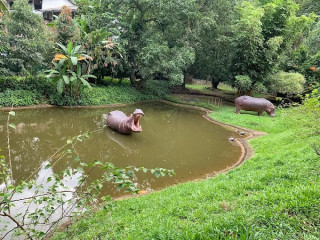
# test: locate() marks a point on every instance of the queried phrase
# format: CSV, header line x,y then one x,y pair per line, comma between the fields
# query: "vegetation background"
x,y
133,50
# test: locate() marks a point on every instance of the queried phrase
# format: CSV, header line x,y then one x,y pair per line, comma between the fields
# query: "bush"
x,y
123,94
244,84
20,98
287,83
38,89
38,83
24,91
158,89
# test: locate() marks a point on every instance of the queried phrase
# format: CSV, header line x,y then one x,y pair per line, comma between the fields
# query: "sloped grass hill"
x,y
273,195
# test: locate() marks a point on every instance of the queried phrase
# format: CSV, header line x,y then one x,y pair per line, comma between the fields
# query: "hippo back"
x,y
114,118
252,104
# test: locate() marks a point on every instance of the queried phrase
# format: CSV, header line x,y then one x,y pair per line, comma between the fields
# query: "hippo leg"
x,y
259,114
238,110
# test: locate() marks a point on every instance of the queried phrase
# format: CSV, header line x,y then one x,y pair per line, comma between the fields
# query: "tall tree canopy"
x,y
25,38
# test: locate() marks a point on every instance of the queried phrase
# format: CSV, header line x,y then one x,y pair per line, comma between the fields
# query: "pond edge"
x,y
246,150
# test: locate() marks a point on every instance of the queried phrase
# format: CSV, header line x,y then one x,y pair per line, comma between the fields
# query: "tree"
x,y
213,53
308,6
248,43
67,29
157,37
260,37
4,45
27,40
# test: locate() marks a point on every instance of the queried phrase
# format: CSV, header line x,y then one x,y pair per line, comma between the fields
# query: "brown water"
x,y
172,138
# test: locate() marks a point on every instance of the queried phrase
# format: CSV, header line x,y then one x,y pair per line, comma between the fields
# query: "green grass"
x,y
224,90
273,195
176,99
208,88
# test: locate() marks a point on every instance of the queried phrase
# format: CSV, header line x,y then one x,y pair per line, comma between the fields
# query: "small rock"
x,y
242,133
231,139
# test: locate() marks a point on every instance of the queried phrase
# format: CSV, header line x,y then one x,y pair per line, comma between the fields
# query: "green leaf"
x,y
12,125
157,174
83,164
74,60
70,48
66,79
75,50
85,82
120,186
47,166
79,138
60,86
12,113
78,70
63,47
89,76
69,141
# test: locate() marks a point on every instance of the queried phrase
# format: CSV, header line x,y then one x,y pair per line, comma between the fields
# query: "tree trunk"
x,y
187,79
141,83
133,79
215,84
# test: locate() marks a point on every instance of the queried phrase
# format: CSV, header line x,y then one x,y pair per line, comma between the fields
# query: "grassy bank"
x,y
273,195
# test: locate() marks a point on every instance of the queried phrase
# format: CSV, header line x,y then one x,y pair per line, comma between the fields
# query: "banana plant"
x,y
68,70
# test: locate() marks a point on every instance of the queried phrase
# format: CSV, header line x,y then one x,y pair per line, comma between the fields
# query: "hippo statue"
x,y
118,121
254,104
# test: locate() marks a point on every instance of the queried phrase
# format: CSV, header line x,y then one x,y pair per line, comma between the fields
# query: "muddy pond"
x,y
172,137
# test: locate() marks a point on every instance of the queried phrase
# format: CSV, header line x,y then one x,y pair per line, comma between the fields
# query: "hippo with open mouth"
x,y
118,121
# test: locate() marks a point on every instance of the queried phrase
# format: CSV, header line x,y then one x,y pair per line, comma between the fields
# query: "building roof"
x,y
56,5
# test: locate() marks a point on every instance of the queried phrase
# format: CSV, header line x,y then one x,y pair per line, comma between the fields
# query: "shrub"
x,y
156,88
123,94
308,116
243,83
39,88
20,98
38,83
287,83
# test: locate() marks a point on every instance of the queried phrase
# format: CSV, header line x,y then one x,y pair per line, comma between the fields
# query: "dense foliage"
x,y
24,40
241,42
286,83
134,50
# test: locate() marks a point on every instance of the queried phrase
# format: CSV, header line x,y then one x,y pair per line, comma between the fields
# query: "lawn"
x,y
224,90
273,195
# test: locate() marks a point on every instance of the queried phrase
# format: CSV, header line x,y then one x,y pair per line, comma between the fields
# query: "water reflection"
x,y
23,206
